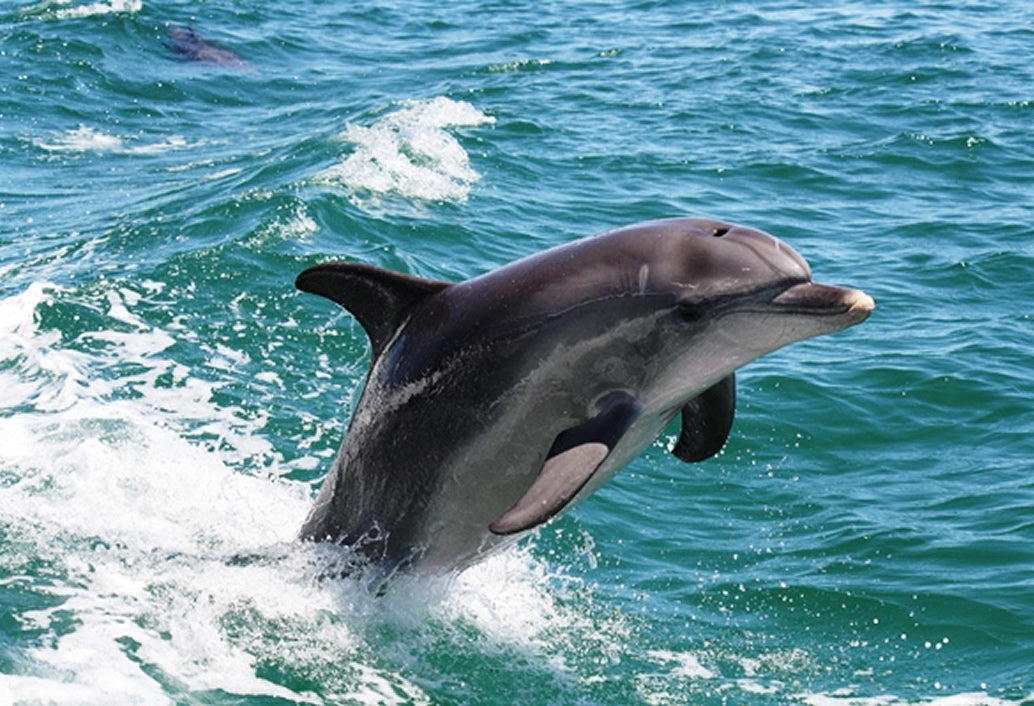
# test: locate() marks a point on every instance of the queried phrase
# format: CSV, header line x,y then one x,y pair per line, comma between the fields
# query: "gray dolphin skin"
x,y
184,42
494,404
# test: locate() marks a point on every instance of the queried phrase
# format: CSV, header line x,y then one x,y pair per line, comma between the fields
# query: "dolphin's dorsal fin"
x,y
572,460
706,421
380,299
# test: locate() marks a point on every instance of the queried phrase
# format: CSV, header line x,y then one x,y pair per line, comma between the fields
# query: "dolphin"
x,y
495,404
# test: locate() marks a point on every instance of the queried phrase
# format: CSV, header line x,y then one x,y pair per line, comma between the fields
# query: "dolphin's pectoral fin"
x,y
572,460
706,421
380,299
560,479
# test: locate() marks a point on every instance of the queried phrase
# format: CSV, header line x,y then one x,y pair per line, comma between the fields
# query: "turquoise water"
x,y
168,402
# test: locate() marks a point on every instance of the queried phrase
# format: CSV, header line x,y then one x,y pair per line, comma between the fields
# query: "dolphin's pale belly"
x,y
497,464
456,528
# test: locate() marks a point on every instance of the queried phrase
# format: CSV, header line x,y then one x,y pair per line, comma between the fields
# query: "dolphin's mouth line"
x,y
793,296
815,299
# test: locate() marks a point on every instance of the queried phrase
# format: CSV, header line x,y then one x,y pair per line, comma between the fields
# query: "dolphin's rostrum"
x,y
494,404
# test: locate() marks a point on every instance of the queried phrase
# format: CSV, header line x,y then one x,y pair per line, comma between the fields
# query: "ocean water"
x,y
169,404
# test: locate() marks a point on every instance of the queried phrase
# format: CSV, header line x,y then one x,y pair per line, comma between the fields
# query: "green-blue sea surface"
x,y
169,403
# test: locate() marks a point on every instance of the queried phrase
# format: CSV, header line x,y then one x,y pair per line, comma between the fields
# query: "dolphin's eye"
x,y
720,231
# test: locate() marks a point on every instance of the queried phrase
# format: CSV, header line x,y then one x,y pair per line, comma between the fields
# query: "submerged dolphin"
x,y
184,42
494,404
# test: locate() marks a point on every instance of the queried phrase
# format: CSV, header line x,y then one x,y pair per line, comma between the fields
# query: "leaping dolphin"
x,y
494,404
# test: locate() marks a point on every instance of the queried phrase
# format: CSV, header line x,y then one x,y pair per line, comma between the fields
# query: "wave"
x,y
67,9
408,153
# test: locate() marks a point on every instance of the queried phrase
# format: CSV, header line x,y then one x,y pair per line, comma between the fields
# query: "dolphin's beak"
x,y
825,300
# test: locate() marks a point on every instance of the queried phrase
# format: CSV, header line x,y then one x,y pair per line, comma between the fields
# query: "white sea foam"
x,y
846,698
410,153
65,9
36,370
769,673
135,519
88,139
686,665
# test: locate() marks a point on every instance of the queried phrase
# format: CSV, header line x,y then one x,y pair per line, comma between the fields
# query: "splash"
x,y
170,574
409,153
